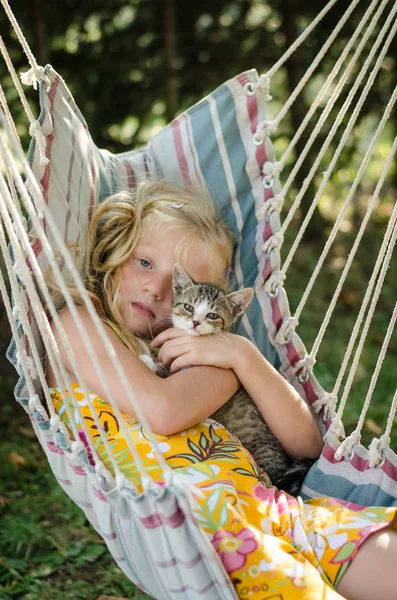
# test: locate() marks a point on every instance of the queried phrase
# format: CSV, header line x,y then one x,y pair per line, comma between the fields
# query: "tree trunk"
x,y
172,83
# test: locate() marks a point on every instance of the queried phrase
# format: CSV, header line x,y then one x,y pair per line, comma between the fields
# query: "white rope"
x,y
371,205
35,127
389,231
368,320
51,226
378,366
271,127
338,221
20,36
15,236
357,81
301,38
324,89
390,420
332,164
7,114
42,322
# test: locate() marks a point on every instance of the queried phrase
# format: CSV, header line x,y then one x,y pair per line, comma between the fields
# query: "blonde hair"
x,y
116,227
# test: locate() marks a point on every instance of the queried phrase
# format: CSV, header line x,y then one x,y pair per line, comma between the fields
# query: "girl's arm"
x,y
287,415
169,405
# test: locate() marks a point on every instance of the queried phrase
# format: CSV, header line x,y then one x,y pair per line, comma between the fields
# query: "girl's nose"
x,y
159,285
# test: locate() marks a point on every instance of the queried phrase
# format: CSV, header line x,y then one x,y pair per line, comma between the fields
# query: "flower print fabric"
x,y
272,545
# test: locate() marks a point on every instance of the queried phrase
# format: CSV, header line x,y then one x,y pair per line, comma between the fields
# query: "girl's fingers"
x,y
168,334
180,363
171,349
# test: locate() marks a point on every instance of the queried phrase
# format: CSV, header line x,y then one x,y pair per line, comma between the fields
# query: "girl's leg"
x,y
373,571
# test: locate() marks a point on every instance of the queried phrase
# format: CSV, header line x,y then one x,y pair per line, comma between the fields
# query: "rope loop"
x,y
275,241
263,84
36,132
276,280
336,428
269,207
346,449
376,450
26,362
264,130
306,364
34,403
34,75
272,169
55,422
16,267
77,447
327,402
283,335
15,224
36,406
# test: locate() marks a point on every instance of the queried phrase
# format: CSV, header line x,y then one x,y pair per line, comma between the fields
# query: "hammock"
x,y
223,143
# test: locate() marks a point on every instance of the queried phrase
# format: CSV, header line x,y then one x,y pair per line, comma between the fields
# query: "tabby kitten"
x,y
204,308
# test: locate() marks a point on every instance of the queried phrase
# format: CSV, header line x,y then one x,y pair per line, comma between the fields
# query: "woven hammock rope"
x,y
36,243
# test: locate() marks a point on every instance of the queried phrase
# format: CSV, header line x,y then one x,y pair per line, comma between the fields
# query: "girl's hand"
x,y
180,349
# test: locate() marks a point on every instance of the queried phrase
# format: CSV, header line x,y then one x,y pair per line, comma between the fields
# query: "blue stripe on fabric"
x,y
105,184
133,575
213,170
336,486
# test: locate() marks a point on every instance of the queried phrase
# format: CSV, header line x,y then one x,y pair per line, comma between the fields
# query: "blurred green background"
x,y
132,66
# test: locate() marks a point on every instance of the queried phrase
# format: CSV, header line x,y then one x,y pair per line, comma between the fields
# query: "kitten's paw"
x,y
149,361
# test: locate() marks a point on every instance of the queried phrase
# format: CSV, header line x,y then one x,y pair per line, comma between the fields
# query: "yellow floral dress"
x,y
273,546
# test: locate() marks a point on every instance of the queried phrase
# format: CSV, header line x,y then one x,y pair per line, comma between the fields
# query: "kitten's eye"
x,y
189,308
212,316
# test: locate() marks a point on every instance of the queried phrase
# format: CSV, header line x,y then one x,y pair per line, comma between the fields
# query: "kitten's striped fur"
x,y
204,308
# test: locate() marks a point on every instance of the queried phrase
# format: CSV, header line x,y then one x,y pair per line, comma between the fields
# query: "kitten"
x,y
204,308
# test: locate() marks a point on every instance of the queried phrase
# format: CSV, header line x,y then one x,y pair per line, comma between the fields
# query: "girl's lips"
x,y
142,309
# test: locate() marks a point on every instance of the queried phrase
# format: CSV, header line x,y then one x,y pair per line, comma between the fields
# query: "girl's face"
x,y
146,280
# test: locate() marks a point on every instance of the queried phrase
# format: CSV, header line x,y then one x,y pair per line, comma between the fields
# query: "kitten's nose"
x,y
196,323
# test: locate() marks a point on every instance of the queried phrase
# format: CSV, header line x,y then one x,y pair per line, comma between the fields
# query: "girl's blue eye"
x,y
145,263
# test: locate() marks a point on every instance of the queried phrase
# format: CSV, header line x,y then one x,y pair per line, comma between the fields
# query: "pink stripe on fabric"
x,y
130,175
360,464
63,481
94,174
183,165
54,448
99,494
45,180
158,519
78,469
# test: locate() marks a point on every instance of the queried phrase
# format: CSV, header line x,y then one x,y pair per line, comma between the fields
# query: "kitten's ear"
x,y
180,279
238,301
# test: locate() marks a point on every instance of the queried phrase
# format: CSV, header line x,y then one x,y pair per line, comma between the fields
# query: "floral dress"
x,y
273,546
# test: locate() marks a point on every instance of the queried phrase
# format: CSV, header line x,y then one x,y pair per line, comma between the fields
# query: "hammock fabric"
x,y
211,145
197,524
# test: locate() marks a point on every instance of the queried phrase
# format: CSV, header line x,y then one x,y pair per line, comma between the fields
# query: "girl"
x,y
132,246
